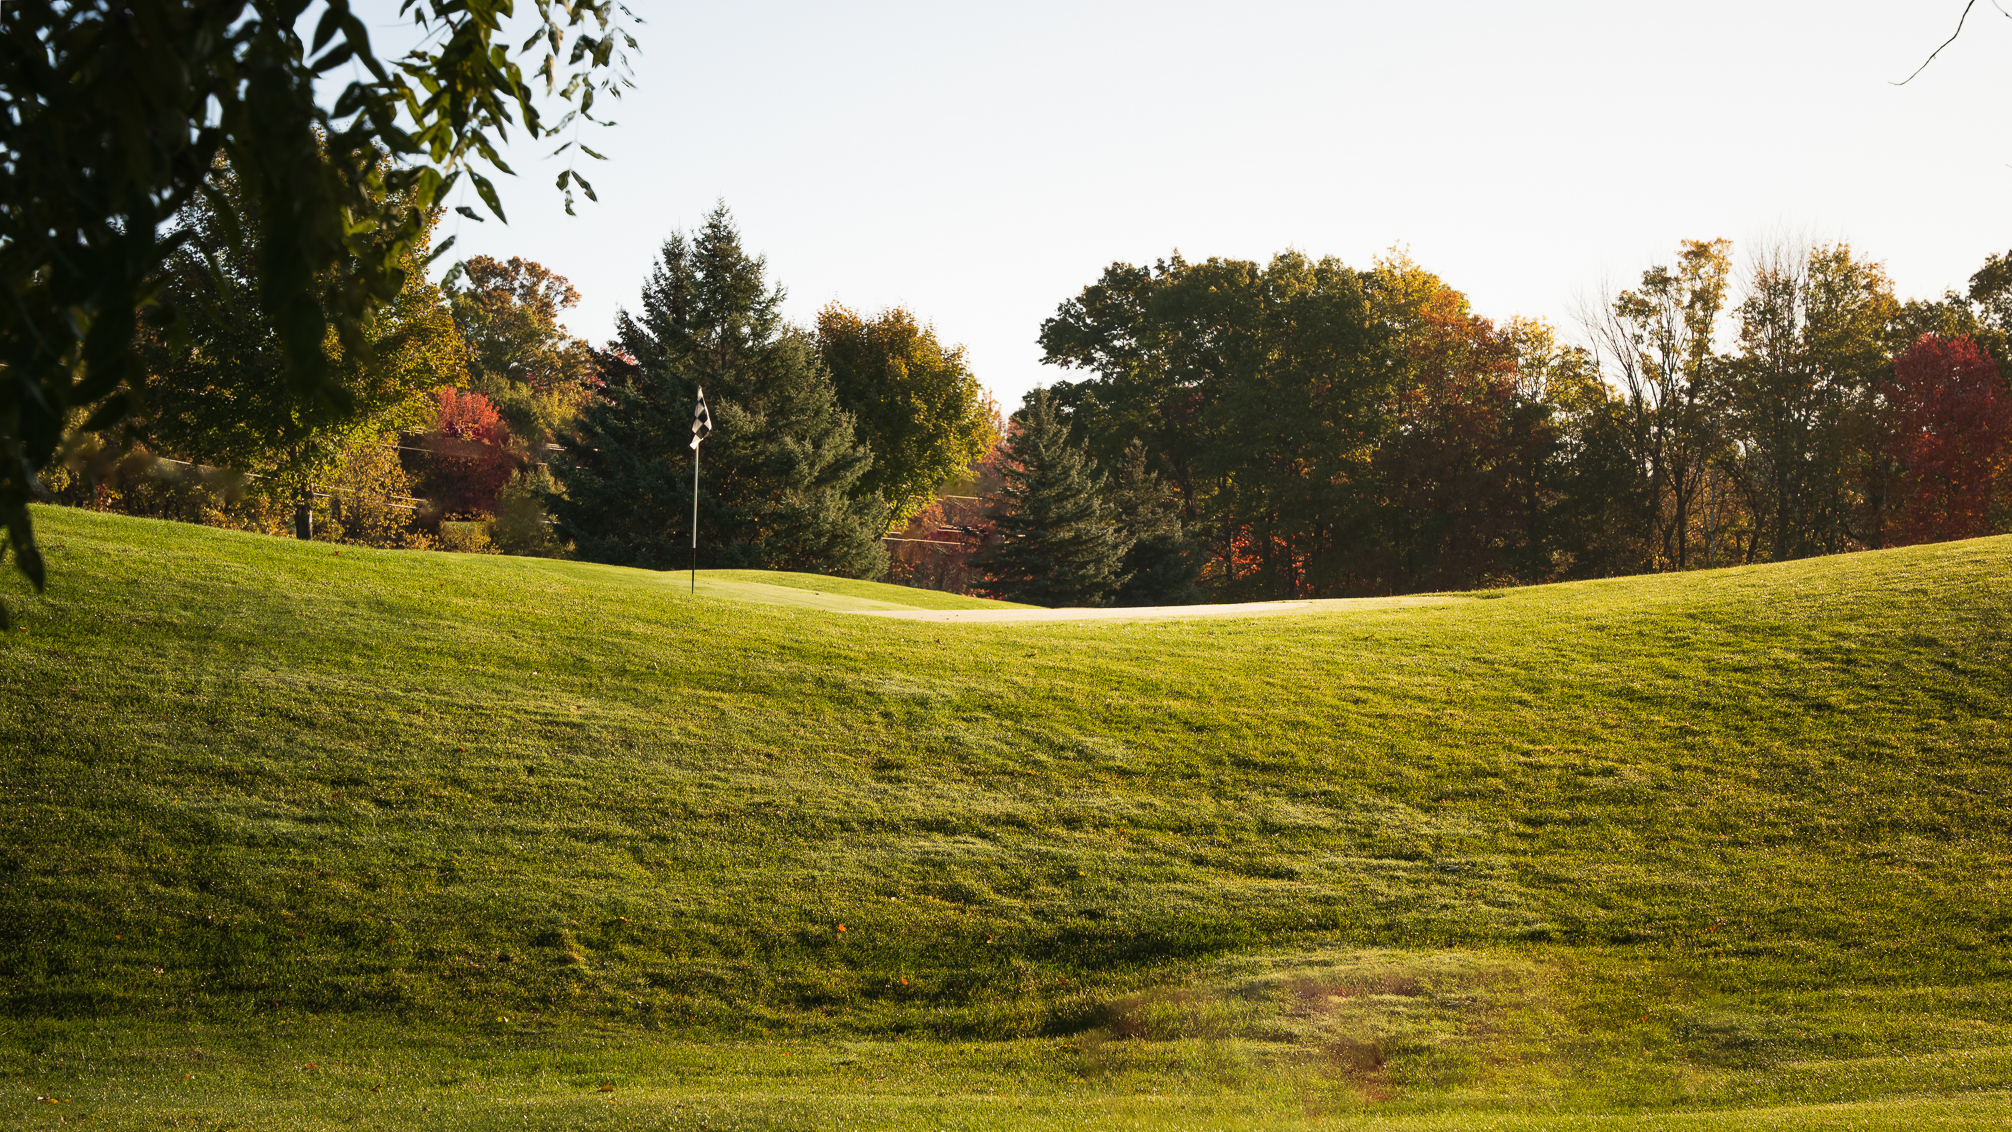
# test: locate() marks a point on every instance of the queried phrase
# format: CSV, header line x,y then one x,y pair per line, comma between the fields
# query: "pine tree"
x,y
783,456
1160,564
1053,544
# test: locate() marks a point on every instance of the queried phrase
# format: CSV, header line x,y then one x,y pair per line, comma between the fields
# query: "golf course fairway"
x,y
297,836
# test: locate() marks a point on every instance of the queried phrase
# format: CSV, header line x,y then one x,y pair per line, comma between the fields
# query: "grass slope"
x,y
473,836
820,592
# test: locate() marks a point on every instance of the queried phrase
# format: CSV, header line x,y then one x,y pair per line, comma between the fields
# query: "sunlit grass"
x,y
1722,841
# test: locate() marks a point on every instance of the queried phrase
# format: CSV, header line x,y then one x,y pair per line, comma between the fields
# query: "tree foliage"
x,y
778,486
1253,387
1951,437
519,356
1797,398
113,117
1661,339
1461,468
1053,541
469,457
369,497
1160,563
209,366
915,402
1328,431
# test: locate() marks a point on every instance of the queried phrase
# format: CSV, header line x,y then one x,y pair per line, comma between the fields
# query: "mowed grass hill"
x,y
300,838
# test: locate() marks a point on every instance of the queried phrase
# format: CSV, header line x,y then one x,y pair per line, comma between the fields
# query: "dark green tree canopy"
x,y
113,116
1256,387
1054,543
1160,563
777,478
206,366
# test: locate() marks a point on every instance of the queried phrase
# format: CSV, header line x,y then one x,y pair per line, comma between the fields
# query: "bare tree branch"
x,y
1945,43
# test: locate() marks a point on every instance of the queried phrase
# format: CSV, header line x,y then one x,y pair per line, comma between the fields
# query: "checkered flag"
x,y
702,422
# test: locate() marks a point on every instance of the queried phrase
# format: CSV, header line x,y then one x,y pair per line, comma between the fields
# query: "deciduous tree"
x,y
209,369
1259,389
370,497
915,402
1661,340
536,374
469,454
1950,432
1812,326
1461,467
112,118
1599,519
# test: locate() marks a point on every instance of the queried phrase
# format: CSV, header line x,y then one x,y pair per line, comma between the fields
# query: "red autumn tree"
x,y
1949,423
471,456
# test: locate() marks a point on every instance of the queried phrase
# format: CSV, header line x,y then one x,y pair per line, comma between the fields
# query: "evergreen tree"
x,y
783,458
1160,564
1054,544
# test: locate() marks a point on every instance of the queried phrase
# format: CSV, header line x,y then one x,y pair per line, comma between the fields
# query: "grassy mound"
x,y
816,591
1725,838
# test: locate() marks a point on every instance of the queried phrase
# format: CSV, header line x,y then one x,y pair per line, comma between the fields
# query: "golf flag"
x,y
702,422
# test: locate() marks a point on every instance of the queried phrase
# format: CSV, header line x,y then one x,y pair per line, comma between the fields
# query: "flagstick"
x,y
702,427
695,519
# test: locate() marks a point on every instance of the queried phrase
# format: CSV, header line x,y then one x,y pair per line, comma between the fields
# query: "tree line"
x,y
481,424
1326,431
1230,430
204,261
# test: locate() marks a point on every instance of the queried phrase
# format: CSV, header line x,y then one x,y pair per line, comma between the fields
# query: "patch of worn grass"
x,y
1729,841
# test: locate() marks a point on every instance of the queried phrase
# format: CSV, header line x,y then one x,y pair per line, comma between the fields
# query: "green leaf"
x,y
359,38
441,250
334,59
488,192
489,154
325,29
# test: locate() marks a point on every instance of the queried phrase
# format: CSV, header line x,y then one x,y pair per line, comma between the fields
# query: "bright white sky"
x,y
979,164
